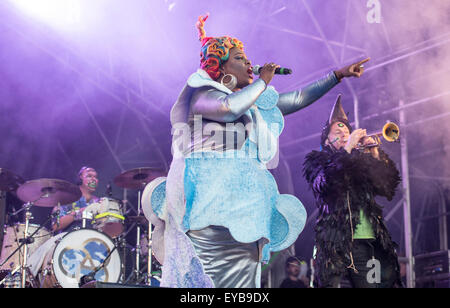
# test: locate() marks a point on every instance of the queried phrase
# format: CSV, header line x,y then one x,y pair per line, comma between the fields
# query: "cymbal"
x,y
138,178
48,192
9,181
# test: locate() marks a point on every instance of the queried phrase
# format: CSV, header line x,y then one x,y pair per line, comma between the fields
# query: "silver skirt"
x,y
229,263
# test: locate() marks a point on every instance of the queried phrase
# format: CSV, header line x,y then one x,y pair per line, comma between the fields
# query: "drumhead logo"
x,y
75,263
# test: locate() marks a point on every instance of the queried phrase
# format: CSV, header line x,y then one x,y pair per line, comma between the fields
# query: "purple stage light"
x,y
59,13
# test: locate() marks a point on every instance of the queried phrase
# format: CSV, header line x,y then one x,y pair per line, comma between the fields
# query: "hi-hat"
x,y
9,181
138,178
48,192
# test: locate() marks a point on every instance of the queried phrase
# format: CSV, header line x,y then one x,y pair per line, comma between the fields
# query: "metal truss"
x,y
391,58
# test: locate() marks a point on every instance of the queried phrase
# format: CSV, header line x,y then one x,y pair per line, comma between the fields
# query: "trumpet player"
x,y
352,240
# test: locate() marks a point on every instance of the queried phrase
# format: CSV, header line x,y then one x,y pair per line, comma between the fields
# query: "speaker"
x,y
433,270
432,264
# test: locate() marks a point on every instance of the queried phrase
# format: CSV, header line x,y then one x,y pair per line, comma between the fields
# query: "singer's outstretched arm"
x,y
293,101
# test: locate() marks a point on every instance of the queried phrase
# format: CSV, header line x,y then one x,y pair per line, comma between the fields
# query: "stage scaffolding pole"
x,y
410,279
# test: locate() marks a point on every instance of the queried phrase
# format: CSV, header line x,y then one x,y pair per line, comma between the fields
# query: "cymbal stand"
x,y
149,255
138,240
126,246
121,242
28,217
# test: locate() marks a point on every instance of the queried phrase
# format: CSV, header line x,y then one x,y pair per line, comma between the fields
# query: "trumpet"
x,y
390,132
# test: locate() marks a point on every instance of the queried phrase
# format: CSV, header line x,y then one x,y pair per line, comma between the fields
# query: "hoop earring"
x,y
230,82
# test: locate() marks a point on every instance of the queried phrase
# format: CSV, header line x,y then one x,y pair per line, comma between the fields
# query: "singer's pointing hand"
x,y
267,72
353,70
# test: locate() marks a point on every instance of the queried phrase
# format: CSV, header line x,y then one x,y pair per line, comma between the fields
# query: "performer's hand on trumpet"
x,y
367,141
359,138
352,70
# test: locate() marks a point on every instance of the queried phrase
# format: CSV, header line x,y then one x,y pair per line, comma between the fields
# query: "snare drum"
x,y
107,216
11,241
79,253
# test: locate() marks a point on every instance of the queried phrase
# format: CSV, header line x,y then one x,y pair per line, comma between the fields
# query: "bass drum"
x,y
81,252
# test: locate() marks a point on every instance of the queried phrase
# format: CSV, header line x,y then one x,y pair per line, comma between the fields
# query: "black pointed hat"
x,y
337,115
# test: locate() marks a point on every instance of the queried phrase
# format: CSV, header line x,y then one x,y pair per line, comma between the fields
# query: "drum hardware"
x,y
48,273
137,179
28,239
122,245
86,279
109,190
149,255
12,240
9,182
148,275
127,210
43,193
146,250
85,215
138,240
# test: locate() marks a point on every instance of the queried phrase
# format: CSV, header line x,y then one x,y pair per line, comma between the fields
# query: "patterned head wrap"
x,y
215,50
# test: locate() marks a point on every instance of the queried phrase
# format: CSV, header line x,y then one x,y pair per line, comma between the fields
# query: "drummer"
x,y
70,216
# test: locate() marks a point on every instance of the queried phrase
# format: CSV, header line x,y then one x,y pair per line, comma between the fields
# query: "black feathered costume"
x,y
343,184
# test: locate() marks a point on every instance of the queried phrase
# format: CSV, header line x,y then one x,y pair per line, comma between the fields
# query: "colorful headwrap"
x,y
215,50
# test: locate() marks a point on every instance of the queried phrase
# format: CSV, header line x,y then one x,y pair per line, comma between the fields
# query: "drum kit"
x,y
32,256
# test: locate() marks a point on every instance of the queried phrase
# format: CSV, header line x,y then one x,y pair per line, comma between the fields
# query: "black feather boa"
x,y
334,174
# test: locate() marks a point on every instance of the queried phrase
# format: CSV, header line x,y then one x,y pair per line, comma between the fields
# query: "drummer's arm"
x,y
64,221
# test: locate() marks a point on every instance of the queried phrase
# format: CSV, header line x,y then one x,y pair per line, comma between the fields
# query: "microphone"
x,y
334,140
279,71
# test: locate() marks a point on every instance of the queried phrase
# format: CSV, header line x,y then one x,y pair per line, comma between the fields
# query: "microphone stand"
x,y
91,276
